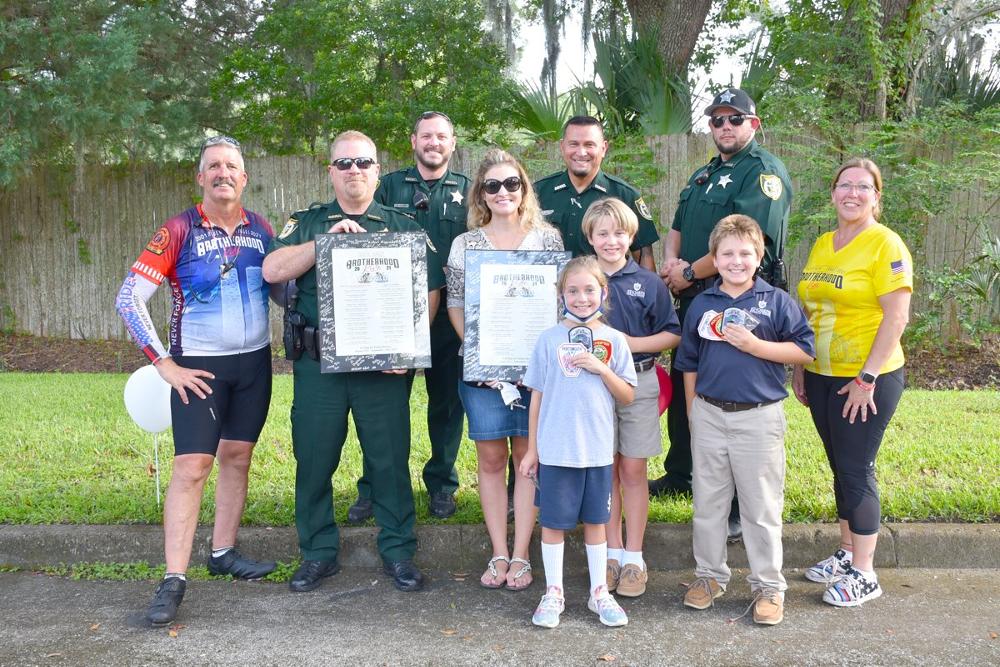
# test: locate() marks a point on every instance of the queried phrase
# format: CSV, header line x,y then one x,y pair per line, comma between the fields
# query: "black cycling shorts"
x,y
235,410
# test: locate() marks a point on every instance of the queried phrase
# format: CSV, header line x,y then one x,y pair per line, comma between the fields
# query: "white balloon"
x,y
147,399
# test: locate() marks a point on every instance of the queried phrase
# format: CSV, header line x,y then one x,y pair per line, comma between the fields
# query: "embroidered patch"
x,y
159,242
640,205
288,228
602,350
771,186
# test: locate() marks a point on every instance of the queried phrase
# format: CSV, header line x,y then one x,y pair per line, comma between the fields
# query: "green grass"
x,y
69,453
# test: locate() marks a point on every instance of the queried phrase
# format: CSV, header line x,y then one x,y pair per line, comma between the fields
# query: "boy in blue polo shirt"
x,y
737,336
642,309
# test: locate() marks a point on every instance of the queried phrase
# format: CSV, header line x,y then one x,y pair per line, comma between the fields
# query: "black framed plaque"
x,y
510,298
372,293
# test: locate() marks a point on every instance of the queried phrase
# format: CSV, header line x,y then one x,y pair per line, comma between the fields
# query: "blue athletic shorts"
x,y
489,418
235,410
570,496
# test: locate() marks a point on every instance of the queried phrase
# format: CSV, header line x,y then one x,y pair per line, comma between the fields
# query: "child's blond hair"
x,y
741,226
621,215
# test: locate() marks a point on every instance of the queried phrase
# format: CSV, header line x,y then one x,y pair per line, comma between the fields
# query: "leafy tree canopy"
x,y
317,67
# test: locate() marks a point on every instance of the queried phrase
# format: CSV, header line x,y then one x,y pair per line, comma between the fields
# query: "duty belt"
x,y
733,406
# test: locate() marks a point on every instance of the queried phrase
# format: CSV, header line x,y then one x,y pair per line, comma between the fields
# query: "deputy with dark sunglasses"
x,y
434,196
378,402
743,178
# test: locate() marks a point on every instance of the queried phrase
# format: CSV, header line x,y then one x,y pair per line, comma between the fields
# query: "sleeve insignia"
x,y
640,205
288,228
771,186
159,242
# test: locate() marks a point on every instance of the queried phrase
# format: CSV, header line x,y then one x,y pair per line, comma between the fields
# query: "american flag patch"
x,y
896,266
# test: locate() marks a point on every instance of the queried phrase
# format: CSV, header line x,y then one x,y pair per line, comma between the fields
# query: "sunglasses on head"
x,y
735,119
344,163
491,186
433,114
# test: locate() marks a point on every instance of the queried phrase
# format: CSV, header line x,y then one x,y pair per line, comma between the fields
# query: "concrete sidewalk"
x,y
467,548
925,617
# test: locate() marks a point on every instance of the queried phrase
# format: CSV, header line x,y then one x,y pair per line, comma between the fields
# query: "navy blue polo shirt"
x,y
727,374
641,305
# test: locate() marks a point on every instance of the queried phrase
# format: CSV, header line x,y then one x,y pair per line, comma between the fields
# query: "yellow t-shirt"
x,y
840,291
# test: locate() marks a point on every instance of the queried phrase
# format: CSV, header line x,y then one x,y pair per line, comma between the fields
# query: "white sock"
x,y
175,575
633,558
218,552
868,574
552,560
597,562
616,554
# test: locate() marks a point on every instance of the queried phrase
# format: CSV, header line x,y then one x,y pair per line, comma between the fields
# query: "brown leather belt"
x,y
644,365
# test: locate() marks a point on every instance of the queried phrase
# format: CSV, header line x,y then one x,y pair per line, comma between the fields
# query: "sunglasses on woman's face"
x,y
735,119
492,186
344,163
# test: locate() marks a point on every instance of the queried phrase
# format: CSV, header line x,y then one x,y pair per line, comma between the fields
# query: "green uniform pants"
x,y
379,403
445,416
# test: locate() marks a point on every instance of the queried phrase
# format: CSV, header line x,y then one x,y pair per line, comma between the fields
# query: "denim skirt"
x,y
489,418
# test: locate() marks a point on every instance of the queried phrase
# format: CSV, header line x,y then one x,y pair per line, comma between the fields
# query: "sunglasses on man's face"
x,y
344,163
491,186
735,119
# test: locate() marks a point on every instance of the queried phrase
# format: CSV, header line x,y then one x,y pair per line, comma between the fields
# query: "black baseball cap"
x,y
733,98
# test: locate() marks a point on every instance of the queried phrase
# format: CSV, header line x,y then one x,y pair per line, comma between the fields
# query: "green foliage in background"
x,y
316,68
72,455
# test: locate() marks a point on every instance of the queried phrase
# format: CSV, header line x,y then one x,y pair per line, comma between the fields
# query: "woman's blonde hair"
x,y
528,212
871,168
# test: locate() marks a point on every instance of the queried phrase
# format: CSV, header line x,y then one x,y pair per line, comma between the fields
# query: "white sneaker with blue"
x,y
851,589
547,613
828,569
606,607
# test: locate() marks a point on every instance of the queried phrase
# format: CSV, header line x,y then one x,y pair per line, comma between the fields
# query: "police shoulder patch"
x,y
640,206
288,228
602,350
159,242
771,186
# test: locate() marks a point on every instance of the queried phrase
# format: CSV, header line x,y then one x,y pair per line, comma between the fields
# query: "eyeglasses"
x,y
491,186
863,188
735,119
434,114
362,163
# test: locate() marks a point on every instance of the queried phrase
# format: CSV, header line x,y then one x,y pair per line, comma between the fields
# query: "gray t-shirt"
x,y
576,425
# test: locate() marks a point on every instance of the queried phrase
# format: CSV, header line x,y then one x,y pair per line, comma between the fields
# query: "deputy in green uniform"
x,y
435,196
565,195
378,401
743,178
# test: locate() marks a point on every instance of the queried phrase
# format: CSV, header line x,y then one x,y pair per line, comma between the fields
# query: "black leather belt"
x,y
693,290
733,406
644,365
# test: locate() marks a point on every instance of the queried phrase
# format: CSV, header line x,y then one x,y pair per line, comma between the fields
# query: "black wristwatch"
x,y
688,274
867,378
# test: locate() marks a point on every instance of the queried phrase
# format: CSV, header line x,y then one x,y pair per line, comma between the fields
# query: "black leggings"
x,y
851,448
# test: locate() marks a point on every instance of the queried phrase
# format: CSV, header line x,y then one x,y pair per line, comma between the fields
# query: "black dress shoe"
x,y
166,598
311,573
665,487
360,511
442,504
405,575
237,565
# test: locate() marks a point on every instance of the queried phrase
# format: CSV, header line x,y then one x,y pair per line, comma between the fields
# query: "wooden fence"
x,y
66,244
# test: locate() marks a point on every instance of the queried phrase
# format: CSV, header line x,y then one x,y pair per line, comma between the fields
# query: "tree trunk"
x,y
676,24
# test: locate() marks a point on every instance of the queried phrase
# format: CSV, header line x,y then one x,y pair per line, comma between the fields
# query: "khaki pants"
x,y
744,451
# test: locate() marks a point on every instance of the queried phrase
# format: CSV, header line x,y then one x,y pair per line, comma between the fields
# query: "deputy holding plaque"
x,y
378,400
503,215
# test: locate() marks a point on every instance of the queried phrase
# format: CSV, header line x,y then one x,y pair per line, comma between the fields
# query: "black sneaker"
x,y
311,574
166,598
237,565
360,511
442,504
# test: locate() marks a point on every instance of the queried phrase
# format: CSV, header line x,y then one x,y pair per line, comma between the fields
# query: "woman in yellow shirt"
x,y
856,289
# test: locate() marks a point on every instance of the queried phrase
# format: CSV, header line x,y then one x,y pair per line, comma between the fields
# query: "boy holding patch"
x,y
737,336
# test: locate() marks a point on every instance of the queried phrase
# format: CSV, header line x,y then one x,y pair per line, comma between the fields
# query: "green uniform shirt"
x,y
564,207
444,217
753,182
304,225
